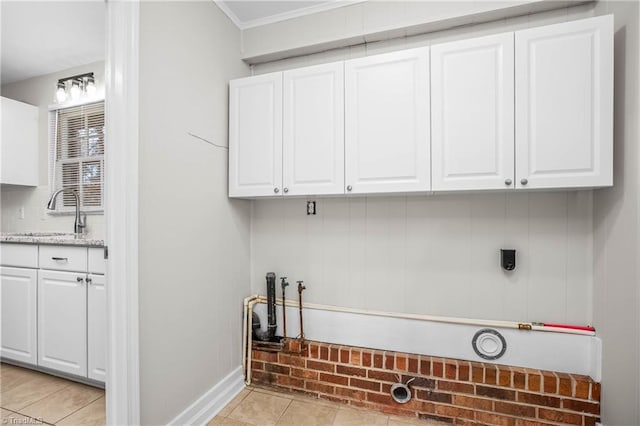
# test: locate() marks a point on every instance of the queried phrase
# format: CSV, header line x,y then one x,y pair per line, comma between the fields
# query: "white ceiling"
x,y
247,13
41,37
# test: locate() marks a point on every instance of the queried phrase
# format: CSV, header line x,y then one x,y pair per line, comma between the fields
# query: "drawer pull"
x,y
60,259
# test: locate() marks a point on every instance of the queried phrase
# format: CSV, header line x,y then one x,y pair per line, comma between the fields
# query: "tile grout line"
x,y
84,406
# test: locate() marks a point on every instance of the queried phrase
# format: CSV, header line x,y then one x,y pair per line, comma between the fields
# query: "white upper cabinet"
x,y
387,123
313,134
564,105
255,136
472,114
19,129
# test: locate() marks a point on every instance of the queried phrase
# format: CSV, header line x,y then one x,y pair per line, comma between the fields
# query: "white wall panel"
x,y
434,255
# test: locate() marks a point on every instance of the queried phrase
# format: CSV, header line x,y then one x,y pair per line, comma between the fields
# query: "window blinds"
x,y
77,155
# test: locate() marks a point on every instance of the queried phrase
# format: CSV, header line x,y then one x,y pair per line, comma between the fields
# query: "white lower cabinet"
x,y
62,321
96,327
19,327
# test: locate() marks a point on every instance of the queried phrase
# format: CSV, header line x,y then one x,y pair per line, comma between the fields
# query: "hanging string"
x,y
207,141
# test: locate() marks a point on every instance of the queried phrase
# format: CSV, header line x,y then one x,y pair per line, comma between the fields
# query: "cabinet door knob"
x,y
508,182
286,189
89,281
349,187
276,190
79,279
524,181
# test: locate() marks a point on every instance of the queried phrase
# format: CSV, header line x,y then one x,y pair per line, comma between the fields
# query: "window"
x,y
77,156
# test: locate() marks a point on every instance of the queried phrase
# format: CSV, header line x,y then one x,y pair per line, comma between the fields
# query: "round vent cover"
x,y
489,344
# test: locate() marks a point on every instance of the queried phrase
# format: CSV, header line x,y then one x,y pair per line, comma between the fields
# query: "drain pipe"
x,y
400,392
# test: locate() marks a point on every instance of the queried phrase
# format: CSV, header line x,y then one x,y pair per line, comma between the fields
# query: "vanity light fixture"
x,y
76,87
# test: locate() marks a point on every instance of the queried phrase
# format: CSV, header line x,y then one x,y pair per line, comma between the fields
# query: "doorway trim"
x,y
121,209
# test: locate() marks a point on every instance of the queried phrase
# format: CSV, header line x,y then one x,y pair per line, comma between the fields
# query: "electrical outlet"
x,y
21,212
311,208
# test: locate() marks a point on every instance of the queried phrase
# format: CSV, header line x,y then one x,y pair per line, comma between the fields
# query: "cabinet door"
x,y
19,139
313,140
255,136
472,114
564,104
96,327
19,328
62,321
387,123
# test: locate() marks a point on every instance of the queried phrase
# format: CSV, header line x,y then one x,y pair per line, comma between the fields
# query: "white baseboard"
x,y
212,401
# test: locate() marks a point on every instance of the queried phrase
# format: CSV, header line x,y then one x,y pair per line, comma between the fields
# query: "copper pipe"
x,y
301,288
284,285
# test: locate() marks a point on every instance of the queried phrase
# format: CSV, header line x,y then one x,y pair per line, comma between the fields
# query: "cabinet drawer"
x,y
20,255
63,258
96,263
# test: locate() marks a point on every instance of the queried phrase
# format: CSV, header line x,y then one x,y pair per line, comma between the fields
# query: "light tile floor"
x,y
31,397
257,406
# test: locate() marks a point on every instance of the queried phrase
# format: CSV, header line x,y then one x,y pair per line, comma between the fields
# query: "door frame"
x,y
121,211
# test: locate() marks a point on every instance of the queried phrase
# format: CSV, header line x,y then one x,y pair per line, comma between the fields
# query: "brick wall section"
x,y
453,391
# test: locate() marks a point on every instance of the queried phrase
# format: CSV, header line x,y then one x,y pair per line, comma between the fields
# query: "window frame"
x,y
53,162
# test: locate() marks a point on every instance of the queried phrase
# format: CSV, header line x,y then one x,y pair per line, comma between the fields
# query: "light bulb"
x,y
61,93
91,88
75,90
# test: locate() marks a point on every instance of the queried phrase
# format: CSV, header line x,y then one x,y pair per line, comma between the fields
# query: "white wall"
x,y
616,233
39,91
194,241
435,255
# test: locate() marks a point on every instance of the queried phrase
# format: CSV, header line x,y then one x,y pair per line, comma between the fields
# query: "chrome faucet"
x,y
78,225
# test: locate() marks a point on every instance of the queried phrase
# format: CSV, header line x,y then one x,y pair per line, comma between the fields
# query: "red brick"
x,y
324,353
380,398
304,373
277,368
334,354
534,381
366,358
559,416
517,410
320,366
490,375
425,366
564,384
497,393
463,370
344,356
355,358
550,382
314,350
378,360
455,387
428,395
413,365
437,367
519,380
364,384
537,399
581,389
332,378
590,421
382,375
290,381
263,377
581,406
351,371
320,387
455,412
389,361
504,376
451,370
595,391
471,402
265,356
525,422
257,365
401,362
477,372
351,393
494,419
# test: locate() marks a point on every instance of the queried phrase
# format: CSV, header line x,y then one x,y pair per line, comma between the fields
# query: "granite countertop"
x,y
50,238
